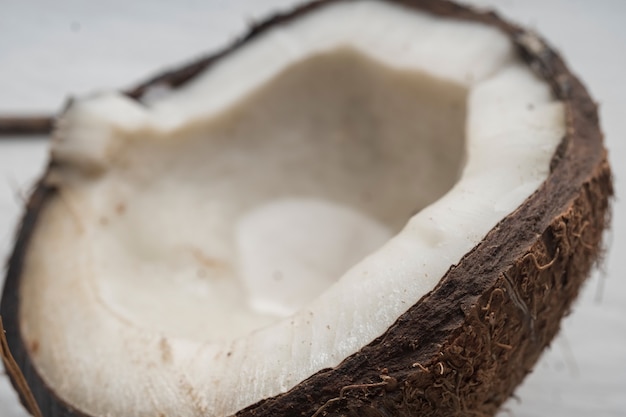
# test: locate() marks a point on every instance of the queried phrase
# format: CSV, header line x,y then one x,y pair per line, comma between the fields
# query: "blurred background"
x,y
52,50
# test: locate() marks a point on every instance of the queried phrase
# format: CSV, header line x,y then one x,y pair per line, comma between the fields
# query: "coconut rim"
x,y
580,160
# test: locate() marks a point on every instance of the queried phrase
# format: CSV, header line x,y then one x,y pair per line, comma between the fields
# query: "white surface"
x,y
48,50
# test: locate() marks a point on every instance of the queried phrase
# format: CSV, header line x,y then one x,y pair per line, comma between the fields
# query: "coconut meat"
x,y
219,243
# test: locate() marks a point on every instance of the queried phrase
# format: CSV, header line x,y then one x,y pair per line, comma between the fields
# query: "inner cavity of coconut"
x,y
278,212
248,217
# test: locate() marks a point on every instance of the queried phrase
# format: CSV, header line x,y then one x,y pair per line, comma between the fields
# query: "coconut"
x,y
372,208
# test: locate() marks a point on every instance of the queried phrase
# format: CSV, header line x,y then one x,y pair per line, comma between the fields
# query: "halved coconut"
x,y
372,208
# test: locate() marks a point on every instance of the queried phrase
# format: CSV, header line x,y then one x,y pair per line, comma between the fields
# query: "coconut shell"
x,y
483,327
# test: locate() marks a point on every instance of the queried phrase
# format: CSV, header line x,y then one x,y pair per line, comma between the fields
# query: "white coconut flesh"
x,y
218,244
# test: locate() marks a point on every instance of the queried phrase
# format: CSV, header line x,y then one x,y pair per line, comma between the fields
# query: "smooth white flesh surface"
x,y
154,266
